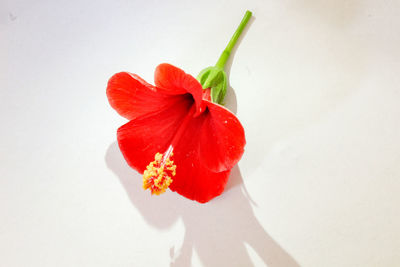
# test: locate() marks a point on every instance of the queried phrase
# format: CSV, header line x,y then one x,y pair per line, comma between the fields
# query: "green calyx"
x,y
215,77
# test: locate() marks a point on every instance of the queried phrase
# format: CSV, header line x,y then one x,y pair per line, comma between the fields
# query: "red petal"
x,y
202,186
222,139
193,179
132,97
174,80
141,138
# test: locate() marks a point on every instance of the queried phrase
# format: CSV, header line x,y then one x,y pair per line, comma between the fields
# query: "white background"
x,y
315,84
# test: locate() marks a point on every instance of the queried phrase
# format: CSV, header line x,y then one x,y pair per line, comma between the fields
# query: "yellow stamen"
x,y
158,173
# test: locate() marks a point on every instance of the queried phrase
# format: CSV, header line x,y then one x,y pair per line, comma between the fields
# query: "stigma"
x,y
158,174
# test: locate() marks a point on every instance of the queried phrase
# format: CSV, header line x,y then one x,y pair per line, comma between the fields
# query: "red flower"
x,y
176,136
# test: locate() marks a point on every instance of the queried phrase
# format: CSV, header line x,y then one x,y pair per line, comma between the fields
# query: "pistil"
x,y
158,174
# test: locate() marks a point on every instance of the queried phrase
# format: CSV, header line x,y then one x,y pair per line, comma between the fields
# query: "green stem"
x,y
227,52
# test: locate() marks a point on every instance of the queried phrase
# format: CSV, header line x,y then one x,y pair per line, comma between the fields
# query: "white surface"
x,y
317,90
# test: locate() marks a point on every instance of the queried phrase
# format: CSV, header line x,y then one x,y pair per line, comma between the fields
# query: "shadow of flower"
x,y
217,230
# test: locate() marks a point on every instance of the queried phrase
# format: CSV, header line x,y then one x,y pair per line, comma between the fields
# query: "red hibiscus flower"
x,y
176,136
